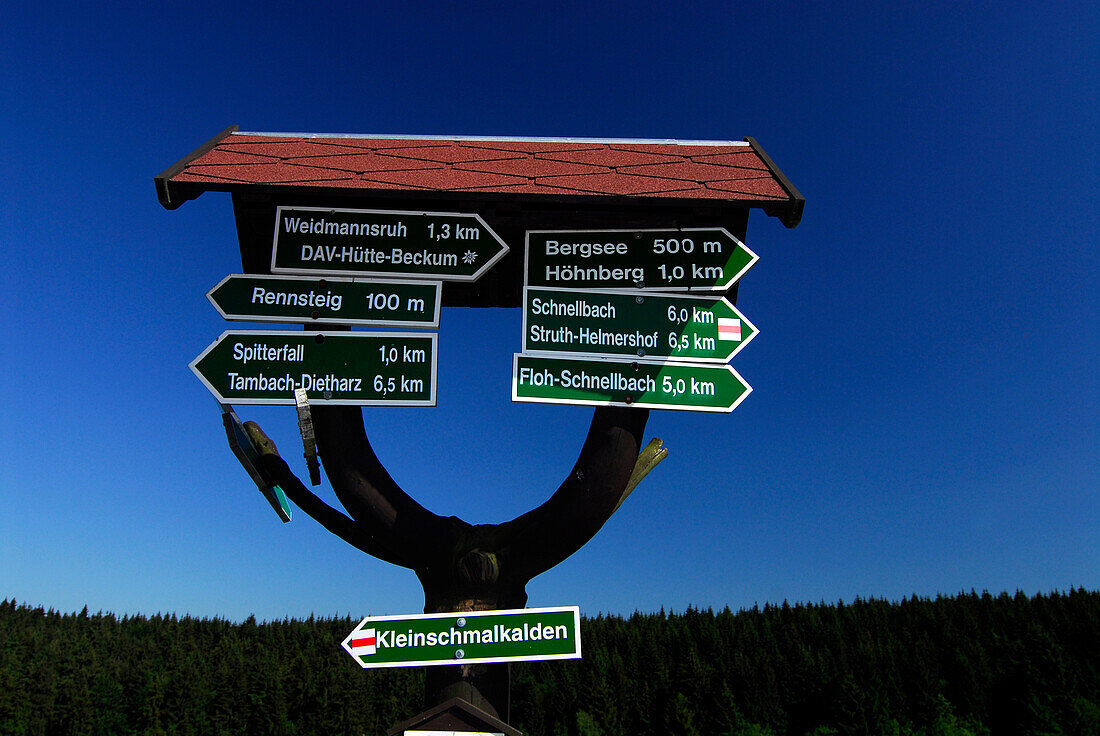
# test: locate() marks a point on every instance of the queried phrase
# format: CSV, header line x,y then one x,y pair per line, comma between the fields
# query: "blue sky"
x,y
925,410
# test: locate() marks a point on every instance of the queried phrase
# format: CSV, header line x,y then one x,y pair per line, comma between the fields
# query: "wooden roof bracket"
x,y
790,214
164,194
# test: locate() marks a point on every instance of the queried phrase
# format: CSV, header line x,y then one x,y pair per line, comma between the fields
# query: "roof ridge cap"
x,y
502,138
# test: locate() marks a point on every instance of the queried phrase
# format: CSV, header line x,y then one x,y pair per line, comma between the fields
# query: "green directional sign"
x,y
358,368
450,246
690,259
639,383
637,324
305,300
466,638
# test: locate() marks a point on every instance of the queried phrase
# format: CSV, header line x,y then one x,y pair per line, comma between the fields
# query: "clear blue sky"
x,y
925,410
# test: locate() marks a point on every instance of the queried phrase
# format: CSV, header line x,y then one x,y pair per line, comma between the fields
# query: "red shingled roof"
x,y
735,172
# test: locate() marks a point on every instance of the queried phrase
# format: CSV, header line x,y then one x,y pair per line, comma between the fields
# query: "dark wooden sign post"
x,y
513,186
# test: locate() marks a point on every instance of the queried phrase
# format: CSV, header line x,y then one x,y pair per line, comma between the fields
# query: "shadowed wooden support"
x,y
461,566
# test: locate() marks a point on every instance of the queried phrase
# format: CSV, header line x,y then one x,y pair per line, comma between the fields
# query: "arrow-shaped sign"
x,y
691,259
355,368
478,636
450,246
306,300
640,383
637,324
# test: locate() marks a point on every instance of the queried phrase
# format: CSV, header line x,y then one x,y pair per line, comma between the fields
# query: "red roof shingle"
x,y
738,172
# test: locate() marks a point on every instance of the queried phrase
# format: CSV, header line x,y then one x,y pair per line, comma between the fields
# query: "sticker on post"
x,y
309,440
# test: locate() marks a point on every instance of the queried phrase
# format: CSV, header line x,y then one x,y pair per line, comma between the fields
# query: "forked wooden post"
x,y
462,566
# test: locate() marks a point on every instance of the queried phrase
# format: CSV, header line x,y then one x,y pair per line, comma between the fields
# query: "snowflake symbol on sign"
x,y
469,257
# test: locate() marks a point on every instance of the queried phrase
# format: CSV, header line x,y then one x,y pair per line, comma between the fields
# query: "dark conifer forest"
x,y
969,664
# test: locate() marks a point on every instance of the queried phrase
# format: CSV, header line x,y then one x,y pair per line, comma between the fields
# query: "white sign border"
x,y
679,289
644,294
467,615
431,401
433,324
387,274
634,404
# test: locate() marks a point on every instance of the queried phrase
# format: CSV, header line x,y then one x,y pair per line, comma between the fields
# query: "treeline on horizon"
x,y
969,664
